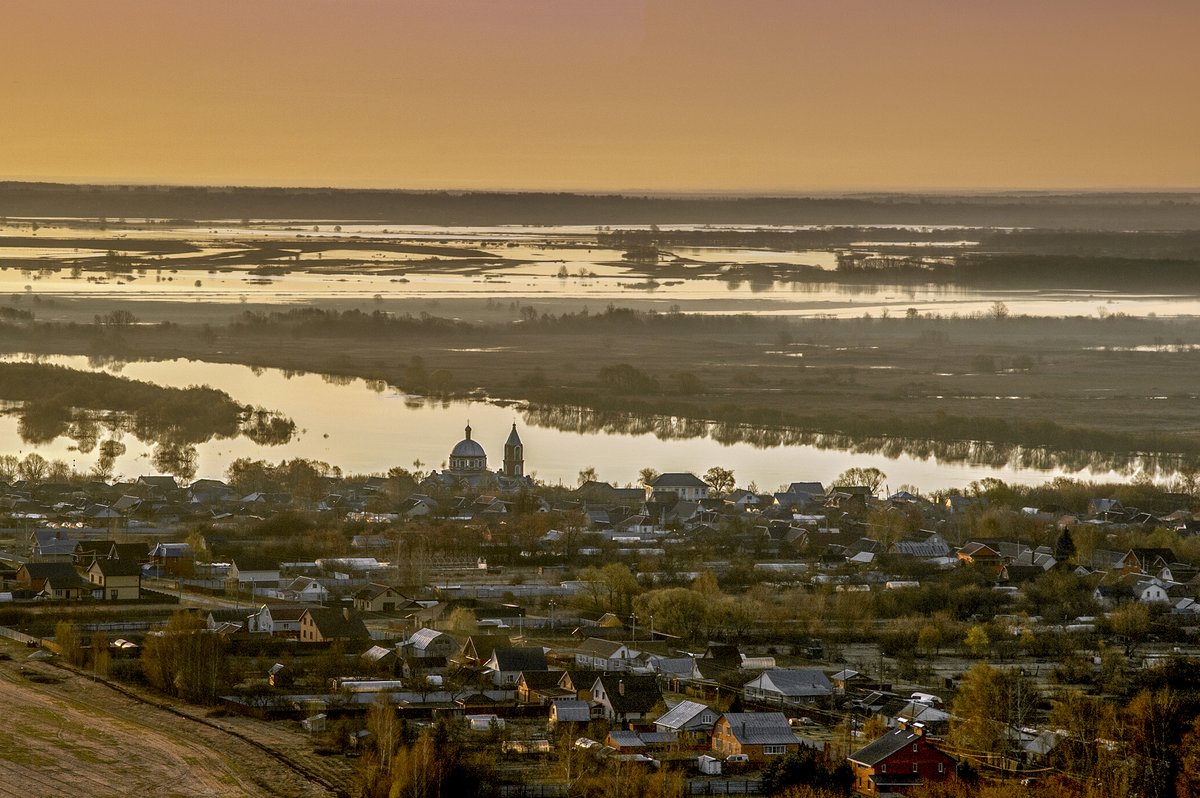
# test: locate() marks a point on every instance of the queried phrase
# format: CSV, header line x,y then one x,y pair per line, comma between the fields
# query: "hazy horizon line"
x,y
625,192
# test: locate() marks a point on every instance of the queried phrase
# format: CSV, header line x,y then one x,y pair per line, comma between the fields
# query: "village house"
x,y
626,697
51,580
756,735
1146,560
898,761
578,683
327,624
115,580
539,686
430,643
304,589
690,722
806,685
505,665
172,559
379,598
976,553
599,654
249,572
569,715
278,620
685,487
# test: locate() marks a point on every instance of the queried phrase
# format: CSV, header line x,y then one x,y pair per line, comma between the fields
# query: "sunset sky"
x,y
668,95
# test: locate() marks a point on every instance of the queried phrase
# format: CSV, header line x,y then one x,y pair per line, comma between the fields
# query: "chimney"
x,y
918,729
901,724
621,687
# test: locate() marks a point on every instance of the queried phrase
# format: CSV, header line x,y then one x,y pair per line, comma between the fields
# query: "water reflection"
x,y
370,427
80,405
1001,456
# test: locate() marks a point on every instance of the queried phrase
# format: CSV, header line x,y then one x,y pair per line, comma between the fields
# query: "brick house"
x,y
758,735
899,760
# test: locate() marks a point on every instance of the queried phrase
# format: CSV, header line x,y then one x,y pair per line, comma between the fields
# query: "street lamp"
x,y
633,617
553,604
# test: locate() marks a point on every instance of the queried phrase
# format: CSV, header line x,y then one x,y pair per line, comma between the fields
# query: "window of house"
x,y
774,750
914,748
941,767
914,767
883,768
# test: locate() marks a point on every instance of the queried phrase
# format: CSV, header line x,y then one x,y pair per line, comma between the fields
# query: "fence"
x,y
695,787
534,791
744,787
20,637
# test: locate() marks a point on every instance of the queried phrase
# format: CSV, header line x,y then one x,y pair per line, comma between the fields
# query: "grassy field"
x,y
65,734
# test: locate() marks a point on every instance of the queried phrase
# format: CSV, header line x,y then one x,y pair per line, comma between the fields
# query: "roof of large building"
x,y
467,447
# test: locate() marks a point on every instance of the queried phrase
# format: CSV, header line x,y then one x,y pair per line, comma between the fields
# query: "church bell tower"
x,y
514,454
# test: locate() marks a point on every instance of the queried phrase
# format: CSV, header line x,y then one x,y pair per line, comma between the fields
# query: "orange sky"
x,y
743,95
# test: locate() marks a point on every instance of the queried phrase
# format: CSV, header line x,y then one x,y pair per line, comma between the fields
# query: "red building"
x,y
898,761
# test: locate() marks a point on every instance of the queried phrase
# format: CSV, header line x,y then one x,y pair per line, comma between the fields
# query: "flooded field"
x,y
281,263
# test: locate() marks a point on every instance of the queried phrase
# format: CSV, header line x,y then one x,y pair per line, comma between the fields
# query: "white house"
x,y
687,487
598,654
801,685
277,619
250,572
305,588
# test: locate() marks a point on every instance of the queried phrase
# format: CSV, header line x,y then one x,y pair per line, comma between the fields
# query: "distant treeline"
x,y
348,323
1115,211
304,322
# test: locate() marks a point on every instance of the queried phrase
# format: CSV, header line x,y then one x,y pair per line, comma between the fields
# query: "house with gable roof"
x,y
326,624
113,579
569,713
430,643
277,620
506,664
52,580
1146,560
626,697
379,598
789,686
757,735
599,654
689,721
304,589
898,761
686,487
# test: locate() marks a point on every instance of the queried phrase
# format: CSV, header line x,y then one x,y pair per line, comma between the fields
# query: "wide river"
x,y
369,427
